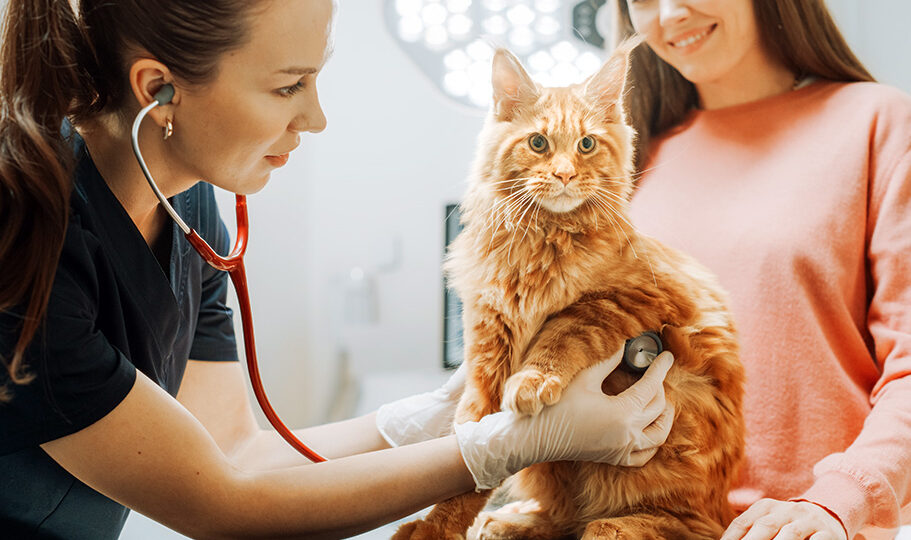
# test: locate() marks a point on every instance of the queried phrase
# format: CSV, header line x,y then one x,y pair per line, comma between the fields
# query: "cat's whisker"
x,y
519,222
505,202
591,209
648,259
519,179
515,205
449,215
503,213
533,220
610,194
611,212
614,180
620,215
500,215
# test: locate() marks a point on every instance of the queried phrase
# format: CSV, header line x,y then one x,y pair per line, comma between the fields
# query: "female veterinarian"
x,y
121,385
769,154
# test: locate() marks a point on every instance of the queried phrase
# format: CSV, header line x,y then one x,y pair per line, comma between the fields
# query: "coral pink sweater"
x,y
801,204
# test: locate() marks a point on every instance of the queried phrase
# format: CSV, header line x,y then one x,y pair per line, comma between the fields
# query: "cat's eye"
x,y
538,142
586,144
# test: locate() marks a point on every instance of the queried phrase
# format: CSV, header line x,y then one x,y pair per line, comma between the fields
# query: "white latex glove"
x,y
424,416
585,425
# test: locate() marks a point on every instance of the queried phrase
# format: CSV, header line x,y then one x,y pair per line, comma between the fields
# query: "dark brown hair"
x,y
801,34
57,64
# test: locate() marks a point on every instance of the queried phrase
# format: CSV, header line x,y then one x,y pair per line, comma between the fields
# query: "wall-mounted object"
x,y
453,350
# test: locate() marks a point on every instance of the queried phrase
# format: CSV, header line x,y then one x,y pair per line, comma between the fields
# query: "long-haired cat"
x,y
553,279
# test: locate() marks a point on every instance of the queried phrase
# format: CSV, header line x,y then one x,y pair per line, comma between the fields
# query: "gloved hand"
x,y
585,425
424,416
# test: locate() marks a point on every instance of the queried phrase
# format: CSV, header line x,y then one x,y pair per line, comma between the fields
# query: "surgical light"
x,y
452,41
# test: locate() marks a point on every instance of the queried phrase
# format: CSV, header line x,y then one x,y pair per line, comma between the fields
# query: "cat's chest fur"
x,y
526,281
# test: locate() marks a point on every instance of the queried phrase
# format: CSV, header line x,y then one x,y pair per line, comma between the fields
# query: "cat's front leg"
x,y
529,390
569,342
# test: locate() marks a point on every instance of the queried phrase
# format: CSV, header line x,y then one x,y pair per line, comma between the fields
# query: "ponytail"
x,y
39,78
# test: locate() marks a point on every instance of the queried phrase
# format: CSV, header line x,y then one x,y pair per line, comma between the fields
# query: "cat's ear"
x,y
512,86
606,87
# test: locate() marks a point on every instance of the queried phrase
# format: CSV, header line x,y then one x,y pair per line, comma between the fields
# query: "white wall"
x,y
879,31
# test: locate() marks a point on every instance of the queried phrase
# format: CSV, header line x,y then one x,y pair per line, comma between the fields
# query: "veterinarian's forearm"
x,y
268,450
349,495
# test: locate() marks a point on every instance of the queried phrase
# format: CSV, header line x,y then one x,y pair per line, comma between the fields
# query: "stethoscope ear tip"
x,y
164,95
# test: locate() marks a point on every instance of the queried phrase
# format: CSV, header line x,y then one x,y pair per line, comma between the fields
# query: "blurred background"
x,y
347,239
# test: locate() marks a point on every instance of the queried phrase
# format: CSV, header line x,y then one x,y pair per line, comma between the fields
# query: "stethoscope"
x,y
640,351
233,264
638,354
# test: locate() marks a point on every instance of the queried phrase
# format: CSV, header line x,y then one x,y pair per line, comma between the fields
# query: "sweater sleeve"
x,y
870,481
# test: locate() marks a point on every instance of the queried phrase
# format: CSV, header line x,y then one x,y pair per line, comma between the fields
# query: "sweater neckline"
x,y
751,108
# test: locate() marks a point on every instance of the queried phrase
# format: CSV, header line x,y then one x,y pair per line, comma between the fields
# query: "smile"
x,y
695,38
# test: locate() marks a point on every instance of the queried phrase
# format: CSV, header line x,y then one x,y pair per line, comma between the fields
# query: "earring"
x,y
168,129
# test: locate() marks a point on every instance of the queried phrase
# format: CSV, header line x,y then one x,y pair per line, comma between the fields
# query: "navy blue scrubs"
x,y
113,309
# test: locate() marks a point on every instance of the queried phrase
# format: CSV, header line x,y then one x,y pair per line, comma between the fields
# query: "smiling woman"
x,y
767,152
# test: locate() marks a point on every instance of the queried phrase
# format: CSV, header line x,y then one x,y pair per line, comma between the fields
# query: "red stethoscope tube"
x,y
233,264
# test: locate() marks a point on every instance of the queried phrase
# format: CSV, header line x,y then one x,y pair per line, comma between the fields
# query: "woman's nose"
x,y
672,12
311,118
318,120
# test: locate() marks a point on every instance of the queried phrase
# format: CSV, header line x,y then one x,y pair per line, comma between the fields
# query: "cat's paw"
x,y
528,391
424,530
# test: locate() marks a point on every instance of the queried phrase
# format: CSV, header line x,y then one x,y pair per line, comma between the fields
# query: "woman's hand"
x,y
769,519
585,425
424,416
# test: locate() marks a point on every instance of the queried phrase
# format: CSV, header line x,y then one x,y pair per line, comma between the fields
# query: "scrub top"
x,y
113,309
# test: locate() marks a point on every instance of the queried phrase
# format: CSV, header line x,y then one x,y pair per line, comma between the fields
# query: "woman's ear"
x,y
512,87
147,77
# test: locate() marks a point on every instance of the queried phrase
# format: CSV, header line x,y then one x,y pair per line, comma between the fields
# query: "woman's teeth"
x,y
692,39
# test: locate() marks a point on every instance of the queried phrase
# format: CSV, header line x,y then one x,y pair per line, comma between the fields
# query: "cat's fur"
x,y
549,289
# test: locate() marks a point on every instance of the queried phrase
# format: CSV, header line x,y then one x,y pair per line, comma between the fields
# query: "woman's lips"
x,y
278,161
691,40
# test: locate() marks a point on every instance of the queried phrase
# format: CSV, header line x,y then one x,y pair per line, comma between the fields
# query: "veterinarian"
x,y
121,386
768,152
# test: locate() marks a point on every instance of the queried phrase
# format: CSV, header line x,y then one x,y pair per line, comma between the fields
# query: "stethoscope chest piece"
x,y
639,352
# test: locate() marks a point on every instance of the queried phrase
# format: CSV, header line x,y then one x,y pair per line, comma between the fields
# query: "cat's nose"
x,y
566,175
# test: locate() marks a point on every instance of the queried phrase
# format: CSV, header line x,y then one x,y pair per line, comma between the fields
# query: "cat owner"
x,y
120,381
767,151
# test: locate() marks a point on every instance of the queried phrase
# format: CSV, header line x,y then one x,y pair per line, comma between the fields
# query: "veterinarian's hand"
x,y
768,519
424,416
585,425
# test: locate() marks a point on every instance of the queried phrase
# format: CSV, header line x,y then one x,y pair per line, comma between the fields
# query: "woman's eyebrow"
x,y
298,70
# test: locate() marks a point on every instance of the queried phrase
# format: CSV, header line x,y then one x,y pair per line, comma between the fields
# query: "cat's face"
x,y
561,151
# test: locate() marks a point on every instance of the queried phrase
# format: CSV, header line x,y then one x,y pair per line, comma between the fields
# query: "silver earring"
x,y
168,129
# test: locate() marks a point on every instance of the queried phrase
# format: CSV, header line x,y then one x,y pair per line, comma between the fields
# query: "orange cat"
x,y
554,279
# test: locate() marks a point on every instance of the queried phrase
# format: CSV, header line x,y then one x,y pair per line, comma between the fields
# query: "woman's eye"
x,y
289,91
586,144
538,143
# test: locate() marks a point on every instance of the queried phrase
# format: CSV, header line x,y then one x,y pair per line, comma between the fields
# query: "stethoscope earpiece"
x,y
165,94
639,352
